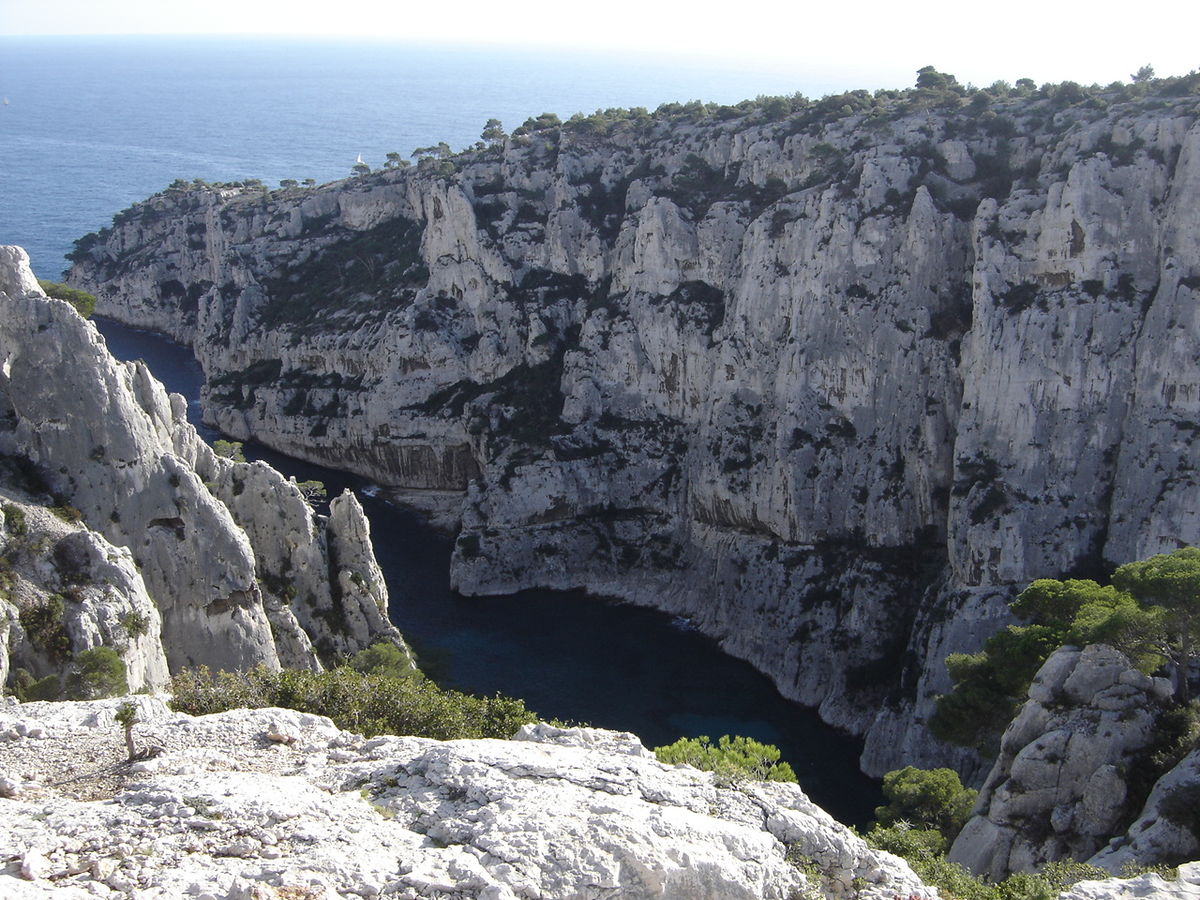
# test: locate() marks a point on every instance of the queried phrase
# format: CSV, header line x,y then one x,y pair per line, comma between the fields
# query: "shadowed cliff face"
x,y
832,386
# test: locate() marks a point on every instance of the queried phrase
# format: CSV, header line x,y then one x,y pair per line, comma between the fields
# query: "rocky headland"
x,y
123,529
831,378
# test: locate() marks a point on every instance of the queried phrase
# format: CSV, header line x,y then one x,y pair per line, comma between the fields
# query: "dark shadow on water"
x,y
567,655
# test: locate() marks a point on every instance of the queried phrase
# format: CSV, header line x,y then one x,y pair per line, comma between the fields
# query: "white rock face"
x,y
834,389
8,624
108,439
227,812
102,596
1165,829
1062,783
1185,887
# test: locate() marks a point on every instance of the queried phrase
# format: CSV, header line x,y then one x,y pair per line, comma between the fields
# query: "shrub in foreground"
x,y
368,703
734,758
927,798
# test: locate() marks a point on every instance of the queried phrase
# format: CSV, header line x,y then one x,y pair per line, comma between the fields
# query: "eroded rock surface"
x,y
240,571
229,812
1072,772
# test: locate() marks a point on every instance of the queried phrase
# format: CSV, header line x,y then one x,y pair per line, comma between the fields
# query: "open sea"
x,y
90,125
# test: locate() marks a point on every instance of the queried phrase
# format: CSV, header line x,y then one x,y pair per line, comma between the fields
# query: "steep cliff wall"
x,y
240,571
830,383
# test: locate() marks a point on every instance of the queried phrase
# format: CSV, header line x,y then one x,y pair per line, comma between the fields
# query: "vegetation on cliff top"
x,y
84,303
374,692
1001,109
1151,612
733,759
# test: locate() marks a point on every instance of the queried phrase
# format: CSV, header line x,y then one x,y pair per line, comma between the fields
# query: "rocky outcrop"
x,y
230,554
66,590
1074,768
1168,827
1185,887
831,384
276,804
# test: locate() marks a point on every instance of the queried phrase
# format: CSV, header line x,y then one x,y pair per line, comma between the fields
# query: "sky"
x,y
868,43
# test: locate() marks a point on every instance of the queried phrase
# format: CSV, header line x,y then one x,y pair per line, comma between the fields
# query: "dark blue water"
x,y
94,124
568,656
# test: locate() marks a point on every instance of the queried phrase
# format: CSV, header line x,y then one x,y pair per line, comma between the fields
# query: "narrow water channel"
x,y
567,655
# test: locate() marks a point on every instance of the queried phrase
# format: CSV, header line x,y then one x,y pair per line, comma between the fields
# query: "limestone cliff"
x,y
65,589
214,562
829,382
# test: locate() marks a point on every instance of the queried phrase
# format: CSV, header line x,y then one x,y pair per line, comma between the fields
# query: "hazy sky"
x,y
862,44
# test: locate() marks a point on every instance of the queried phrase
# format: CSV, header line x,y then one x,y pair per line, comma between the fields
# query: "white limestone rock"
x,y
412,817
1185,887
357,586
103,596
1166,829
1060,787
223,561
8,626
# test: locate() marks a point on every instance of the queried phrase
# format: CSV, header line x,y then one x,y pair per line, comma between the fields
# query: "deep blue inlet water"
x,y
92,125
568,656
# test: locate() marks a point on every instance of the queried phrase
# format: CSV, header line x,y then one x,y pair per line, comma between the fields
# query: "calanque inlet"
x,y
835,380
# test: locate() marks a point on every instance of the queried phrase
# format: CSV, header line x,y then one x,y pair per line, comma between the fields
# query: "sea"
x,y
89,126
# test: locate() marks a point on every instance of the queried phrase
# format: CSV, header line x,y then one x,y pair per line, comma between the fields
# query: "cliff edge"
x,y
271,803
174,555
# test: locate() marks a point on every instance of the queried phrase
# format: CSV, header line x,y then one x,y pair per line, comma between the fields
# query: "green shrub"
x,y
1063,873
229,450
97,673
127,717
135,623
67,513
369,704
43,624
933,798
382,659
925,850
14,520
732,758
84,303
313,491
1147,613
27,689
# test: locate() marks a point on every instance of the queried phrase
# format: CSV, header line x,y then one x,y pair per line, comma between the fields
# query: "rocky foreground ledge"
x,y
272,803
